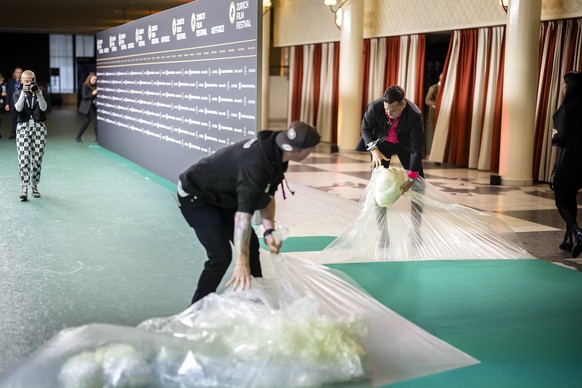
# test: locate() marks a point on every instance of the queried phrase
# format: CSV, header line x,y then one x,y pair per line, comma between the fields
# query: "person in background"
x,y
13,86
88,105
393,125
567,136
431,100
3,98
219,194
30,104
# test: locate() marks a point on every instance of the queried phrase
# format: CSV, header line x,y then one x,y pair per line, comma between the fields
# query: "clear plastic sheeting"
x,y
395,349
262,338
306,327
422,224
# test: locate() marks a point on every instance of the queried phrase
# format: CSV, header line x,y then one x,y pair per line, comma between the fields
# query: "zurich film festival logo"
x,y
232,12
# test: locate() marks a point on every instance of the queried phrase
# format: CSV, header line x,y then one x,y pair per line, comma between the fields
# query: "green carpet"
x,y
303,243
521,318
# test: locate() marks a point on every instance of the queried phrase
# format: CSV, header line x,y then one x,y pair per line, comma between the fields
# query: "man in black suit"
x,y
13,86
393,125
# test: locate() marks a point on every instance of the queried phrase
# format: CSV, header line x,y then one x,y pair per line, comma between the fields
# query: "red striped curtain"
x,y
560,52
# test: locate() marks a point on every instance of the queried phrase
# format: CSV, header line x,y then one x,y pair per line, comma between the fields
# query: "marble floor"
x,y
529,211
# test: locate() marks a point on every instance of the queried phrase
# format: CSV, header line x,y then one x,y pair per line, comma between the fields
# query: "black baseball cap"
x,y
300,135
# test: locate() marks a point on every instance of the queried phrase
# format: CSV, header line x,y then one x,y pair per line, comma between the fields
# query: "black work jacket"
x,y
242,177
410,130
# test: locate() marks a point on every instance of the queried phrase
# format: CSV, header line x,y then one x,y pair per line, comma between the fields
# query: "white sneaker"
x,y
35,192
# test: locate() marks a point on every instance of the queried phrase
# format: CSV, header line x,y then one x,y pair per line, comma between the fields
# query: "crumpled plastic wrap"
x,y
307,326
258,339
423,224
395,348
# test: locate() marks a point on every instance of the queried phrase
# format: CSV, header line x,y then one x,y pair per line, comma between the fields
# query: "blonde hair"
x,y
30,74
88,80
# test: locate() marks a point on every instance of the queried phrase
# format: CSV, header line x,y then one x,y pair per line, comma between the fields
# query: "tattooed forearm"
x,y
268,215
242,235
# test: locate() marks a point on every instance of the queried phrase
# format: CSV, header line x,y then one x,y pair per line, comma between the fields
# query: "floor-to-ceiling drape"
x,y
468,127
313,72
560,52
469,102
313,85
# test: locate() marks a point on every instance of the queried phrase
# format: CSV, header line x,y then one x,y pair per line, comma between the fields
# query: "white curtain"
x,y
307,103
484,155
487,64
411,69
403,63
324,116
376,69
441,131
478,98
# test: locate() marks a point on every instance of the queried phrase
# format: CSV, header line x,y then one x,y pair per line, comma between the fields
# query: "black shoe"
x,y
578,242
568,243
24,193
78,140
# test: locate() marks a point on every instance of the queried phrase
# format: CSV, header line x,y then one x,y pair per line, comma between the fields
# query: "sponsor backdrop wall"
x,y
177,86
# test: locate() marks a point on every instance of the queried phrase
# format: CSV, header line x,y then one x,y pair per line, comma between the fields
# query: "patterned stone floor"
x,y
529,211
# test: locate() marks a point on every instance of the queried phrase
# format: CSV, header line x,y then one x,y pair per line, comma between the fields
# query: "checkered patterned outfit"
x,y
30,142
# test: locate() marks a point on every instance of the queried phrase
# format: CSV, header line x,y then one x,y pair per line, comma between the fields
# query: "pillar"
x,y
519,92
263,123
350,74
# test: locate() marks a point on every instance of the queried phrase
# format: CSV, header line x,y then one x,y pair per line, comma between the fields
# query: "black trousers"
x,y
14,121
214,228
89,117
389,149
567,204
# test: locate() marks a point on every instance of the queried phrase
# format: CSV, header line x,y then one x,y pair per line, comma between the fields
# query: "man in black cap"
x,y
219,194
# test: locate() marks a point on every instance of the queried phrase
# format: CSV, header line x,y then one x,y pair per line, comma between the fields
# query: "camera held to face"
x,y
33,88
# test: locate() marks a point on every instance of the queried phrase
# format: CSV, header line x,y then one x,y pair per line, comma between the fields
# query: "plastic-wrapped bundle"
x,y
254,341
308,326
314,352
387,188
114,365
423,224
395,348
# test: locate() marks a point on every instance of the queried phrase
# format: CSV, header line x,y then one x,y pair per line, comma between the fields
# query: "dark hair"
x,y
573,80
394,94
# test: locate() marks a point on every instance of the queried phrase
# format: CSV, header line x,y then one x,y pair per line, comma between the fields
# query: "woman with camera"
x,y
88,105
30,133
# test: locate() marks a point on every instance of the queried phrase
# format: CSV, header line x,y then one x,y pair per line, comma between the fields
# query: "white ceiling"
x,y
76,16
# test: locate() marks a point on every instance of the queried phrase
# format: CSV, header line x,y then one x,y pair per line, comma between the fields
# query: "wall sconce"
x,y
337,11
504,4
267,4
